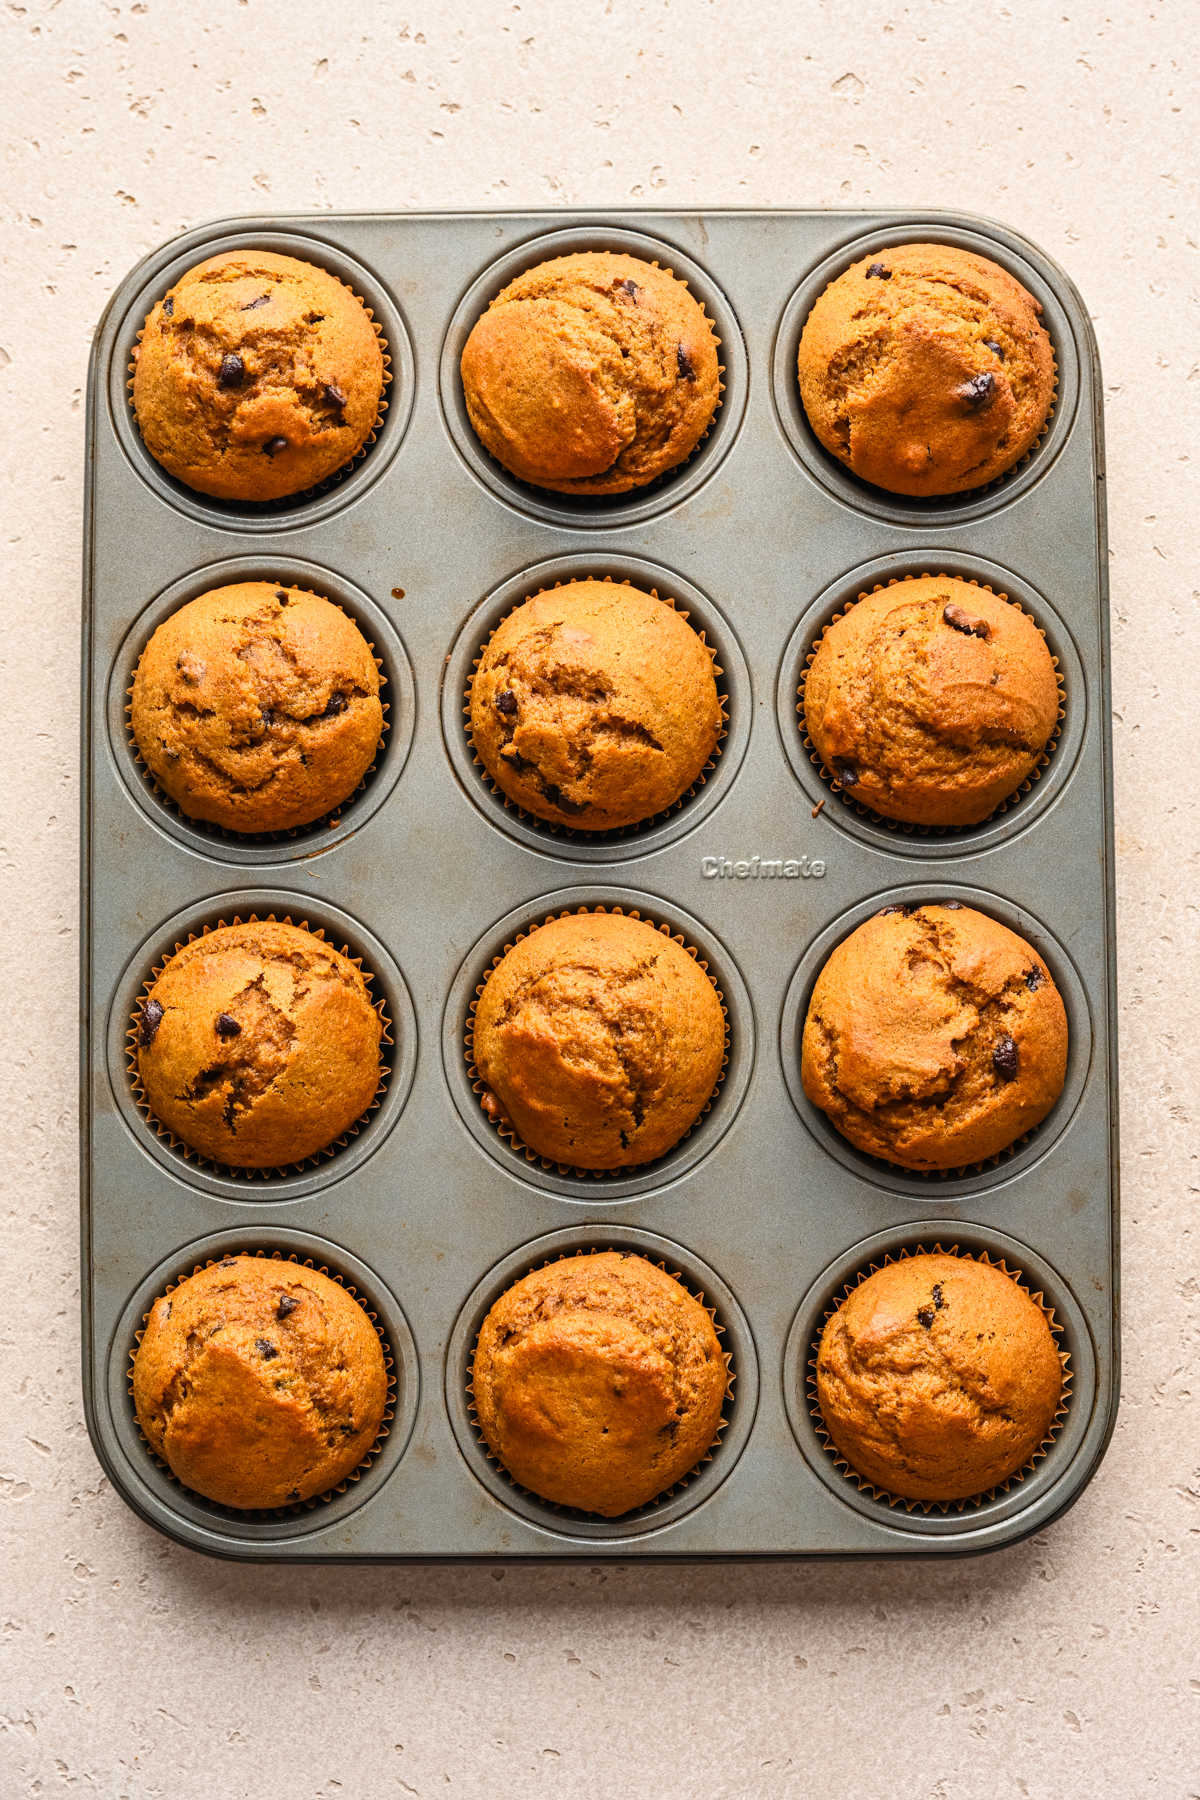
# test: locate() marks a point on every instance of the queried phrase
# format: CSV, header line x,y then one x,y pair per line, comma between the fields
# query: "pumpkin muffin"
x,y
259,1383
599,1040
594,705
258,1045
935,1037
256,707
257,376
592,374
931,700
599,1382
938,1377
926,369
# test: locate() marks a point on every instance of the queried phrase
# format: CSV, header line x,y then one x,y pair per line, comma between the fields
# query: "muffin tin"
x,y
427,873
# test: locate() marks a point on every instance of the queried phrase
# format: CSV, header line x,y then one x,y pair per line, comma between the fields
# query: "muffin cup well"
x,y
737,1414
916,510
597,510
502,1125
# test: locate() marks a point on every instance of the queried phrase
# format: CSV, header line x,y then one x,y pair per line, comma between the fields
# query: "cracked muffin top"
x,y
932,700
935,1037
256,707
599,1381
594,705
258,1045
259,1382
257,376
592,374
938,1377
926,369
599,1040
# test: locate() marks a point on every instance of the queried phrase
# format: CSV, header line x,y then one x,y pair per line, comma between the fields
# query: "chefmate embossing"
x,y
762,868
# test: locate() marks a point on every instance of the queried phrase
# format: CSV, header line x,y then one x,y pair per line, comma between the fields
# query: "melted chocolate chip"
x,y
630,287
925,1316
557,798
228,1262
169,307
252,305
286,1305
1004,1058
683,363
232,372
334,395
906,907
274,445
517,763
1034,979
283,597
878,271
227,1026
938,1298
846,773
337,703
266,1349
979,392
152,1018
960,620
993,346
506,702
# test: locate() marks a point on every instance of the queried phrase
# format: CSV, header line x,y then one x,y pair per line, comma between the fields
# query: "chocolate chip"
x,y
630,287
993,346
1034,979
846,773
334,395
506,702
557,798
348,1428
337,703
152,1018
516,762
898,906
169,307
228,1262
925,1316
286,1305
266,1349
274,445
683,363
959,619
227,1026
938,1299
879,272
979,392
1004,1058
232,372
252,305
952,905
283,597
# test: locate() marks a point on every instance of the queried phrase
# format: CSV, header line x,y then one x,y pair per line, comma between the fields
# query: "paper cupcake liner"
x,y
332,480
644,489
619,833
223,833
194,1158
973,1501
298,1508
503,1126
903,827
649,1507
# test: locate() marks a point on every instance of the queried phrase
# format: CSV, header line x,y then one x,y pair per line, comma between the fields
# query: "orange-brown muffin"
x,y
595,705
257,707
592,374
258,1045
938,1377
256,376
599,1039
935,1037
926,369
931,700
599,1382
259,1382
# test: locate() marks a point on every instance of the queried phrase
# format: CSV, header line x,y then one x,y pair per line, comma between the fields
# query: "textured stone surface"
x,y
1057,1669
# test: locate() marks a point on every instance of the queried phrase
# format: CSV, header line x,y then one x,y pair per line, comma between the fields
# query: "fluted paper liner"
x,y
297,1509
972,1501
502,1124
904,826
637,1513
185,1151
619,833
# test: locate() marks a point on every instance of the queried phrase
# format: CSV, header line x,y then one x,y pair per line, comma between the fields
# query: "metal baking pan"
x,y
427,1210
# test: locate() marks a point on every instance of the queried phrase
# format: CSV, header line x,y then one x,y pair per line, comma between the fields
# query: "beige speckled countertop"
x,y
1066,1666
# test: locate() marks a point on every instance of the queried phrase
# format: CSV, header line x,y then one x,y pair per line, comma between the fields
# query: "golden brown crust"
x,y
257,376
591,374
599,1039
594,705
932,700
258,1045
938,1377
599,1382
256,707
259,1382
935,1037
926,369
